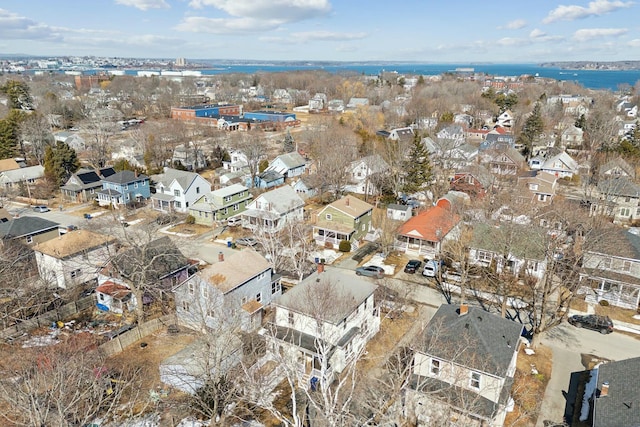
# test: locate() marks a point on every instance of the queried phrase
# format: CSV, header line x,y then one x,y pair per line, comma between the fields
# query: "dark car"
x,y
602,324
412,266
370,271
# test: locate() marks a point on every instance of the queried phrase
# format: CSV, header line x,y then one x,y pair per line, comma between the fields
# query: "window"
x,y
177,204
275,288
192,288
205,292
126,186
626,266
243,301
483,256
135,185
328,217
435,367
29,239
606,263
75,273
259,297
236,207
291,318
625,212
144,183
542,197
197,190
176,193
209,312
475,380
185,306
227,198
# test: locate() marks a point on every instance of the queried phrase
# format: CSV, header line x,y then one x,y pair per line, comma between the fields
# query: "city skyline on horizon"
x,y
323,30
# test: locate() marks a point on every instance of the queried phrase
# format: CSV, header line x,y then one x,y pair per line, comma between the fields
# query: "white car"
x,y
234,221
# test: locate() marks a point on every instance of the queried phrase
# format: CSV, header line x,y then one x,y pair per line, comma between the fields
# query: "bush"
x,y
604,303
190,219
345,246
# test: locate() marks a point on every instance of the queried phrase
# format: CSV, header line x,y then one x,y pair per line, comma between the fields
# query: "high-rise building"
x,y
181,62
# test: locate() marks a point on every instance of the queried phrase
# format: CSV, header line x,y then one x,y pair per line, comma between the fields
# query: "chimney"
x,y
220,256
604,391
346,201
464,309
320,267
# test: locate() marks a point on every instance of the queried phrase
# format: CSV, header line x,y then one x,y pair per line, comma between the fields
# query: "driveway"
x,y
568,343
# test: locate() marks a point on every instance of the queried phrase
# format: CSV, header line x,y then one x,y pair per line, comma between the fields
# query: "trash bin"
x,y
229,243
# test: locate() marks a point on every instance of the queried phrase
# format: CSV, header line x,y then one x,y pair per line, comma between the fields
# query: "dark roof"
x,y
151,262
270,176
125,177
88,177
620,186
621,406
617,242
478,340
107,172
25,225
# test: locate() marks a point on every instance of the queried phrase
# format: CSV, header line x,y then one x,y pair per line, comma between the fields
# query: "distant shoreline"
x,y
594,65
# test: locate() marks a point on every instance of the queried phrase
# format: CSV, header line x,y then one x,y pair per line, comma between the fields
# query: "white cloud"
x,y
595,8
281,10
13,26
634,43
197,24
586,34
536,33
144,4
510,41
514,25
328,35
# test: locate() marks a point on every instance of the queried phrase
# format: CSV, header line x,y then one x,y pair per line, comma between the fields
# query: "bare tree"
x,y
35,133
101,126
254,146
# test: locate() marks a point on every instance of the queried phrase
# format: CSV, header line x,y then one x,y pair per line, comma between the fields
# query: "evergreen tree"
x,y
531,130
581,122
18,94
417,168
60,161
10,134
289,145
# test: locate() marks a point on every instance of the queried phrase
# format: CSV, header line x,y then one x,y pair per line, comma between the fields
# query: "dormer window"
x,y
328,217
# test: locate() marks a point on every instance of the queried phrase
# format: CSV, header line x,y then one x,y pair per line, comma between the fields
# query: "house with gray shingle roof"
x,y
176,190
83,185
270,211
465,366
289,165
242,284
323,324
616,395
611,268
123,188
619,198
30,229
29,175
616,167
221,204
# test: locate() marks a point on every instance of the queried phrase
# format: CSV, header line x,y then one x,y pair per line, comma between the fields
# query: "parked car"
x,y
234,221
246,241
41,208
412,266
431,268
602,324
370,271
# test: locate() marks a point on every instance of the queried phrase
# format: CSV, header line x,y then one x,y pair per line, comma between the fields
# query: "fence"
x,y
46,319
118,343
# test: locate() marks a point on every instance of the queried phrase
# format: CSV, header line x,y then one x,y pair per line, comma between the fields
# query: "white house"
x,y
242,283
176,190
289,165
362,171
465,368
505,119
73,258
322,324
561,165
270,211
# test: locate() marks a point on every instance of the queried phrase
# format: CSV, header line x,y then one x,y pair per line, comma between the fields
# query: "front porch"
x,y
163,202
259,220
325,236
417,247
615,292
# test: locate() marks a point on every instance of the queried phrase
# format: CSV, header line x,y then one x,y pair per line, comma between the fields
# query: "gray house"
x,y
243,284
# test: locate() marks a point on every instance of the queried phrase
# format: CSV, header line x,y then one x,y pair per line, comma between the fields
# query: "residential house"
x,y
238,161
83,185
401,134
497,137
627,108
424,234
318,102
505,119
322,324
29,229
270,211
513,248
190,156
502,160
561,165
335,106
268,179
355,103
616,167
221,204
72,139
9,165
288,165
362,173
612,393
176,190
241,284
306,186
454,133
399,212
346,219
114,297
464,370
538,187
73,258
618,197
476,135
572,137
157,266
124,188
27,177
611,269
475,180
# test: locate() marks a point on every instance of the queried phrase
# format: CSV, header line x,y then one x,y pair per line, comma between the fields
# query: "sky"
x,y
462,31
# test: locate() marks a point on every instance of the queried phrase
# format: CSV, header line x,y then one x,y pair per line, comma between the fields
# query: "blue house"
x,y
269,179
123,188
